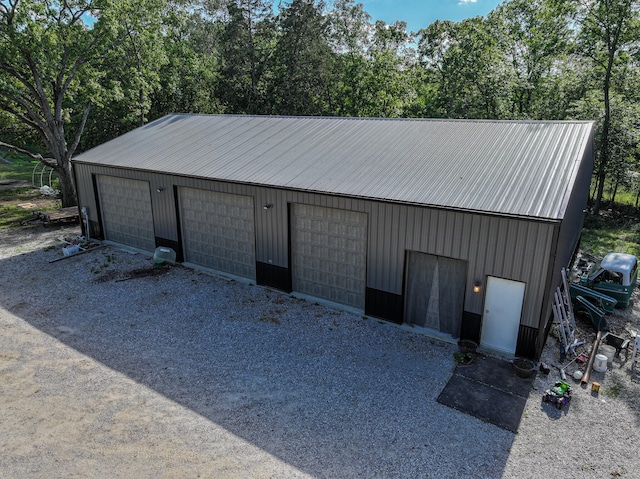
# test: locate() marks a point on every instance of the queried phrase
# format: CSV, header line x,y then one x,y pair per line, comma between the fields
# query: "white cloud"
x,y
464,2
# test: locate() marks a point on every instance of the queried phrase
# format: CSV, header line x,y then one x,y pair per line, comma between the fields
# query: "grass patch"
x,y
12,215
17,172
20,168
626,197
24,168
20,193
614,391
615,230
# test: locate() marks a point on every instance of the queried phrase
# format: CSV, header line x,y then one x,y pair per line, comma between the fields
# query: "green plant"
x,y
11,215
614,391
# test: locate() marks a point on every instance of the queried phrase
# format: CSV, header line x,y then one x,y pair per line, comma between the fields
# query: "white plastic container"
x,y
600,363
162,254
609,352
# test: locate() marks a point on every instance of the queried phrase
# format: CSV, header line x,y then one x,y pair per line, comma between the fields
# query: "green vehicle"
x,y
616,276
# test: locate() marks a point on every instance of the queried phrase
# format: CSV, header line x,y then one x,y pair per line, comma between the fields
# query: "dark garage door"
x,y
435,288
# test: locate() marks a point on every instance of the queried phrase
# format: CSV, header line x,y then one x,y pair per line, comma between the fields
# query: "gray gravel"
x,y
108,369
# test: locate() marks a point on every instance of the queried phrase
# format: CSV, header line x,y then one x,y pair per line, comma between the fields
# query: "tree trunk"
x,y
69,197
617,17
615,191
604,145
67,188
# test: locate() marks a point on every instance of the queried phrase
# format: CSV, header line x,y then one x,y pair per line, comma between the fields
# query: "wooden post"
x,y
592,356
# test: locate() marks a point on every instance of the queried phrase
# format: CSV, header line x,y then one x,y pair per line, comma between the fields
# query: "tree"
x,y
372,63
350,39
187,83
469,66
61,59
246,49
608,33
303,73
49,57
141,54
534,36
389,67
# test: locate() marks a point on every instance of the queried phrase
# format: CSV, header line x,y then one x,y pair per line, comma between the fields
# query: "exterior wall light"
x,y
267,206
160,189
477,287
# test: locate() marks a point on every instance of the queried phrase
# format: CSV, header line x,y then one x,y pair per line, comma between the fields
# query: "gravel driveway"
x,y
110,367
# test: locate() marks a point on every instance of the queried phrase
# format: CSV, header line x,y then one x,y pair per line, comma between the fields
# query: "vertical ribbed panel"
x,y
510,248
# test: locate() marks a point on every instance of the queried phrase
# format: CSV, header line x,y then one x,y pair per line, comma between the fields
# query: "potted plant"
x,y
463,358
523,367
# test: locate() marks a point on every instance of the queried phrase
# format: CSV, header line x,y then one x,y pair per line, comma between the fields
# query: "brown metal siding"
x,y
568,233
509,248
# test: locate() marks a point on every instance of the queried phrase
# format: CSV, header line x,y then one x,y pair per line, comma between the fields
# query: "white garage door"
x,y
218,231
126,211
329,253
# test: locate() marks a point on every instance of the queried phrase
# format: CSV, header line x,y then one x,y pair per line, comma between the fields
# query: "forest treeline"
x,y
76,73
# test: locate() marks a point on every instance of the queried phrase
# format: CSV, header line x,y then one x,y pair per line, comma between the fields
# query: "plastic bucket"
x,y
609,352
600,363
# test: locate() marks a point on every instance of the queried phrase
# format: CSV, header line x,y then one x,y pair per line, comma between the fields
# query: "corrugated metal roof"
x,y
505,167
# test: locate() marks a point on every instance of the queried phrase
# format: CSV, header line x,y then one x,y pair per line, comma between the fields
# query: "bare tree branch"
x,y
41,95
83,121
27,105
36,156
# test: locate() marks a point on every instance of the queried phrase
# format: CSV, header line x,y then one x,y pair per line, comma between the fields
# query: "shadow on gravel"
x,y
489,390
332,394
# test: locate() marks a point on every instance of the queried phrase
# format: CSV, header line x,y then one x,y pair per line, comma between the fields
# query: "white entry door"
x,y
501,318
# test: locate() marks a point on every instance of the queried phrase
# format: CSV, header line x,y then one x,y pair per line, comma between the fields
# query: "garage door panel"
x,y
435,288
127,216
218,231
329,248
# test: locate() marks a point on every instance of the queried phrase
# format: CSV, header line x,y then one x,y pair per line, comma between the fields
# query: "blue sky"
x,y
420,13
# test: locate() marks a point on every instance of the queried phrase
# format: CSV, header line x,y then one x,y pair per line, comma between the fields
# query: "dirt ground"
x,y
110,367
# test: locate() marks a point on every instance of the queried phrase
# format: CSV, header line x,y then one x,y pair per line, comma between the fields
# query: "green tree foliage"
x,y
303,62
534,37
187,82
349,36
132,67
469,66
609,34
49,73
246,49
76,73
